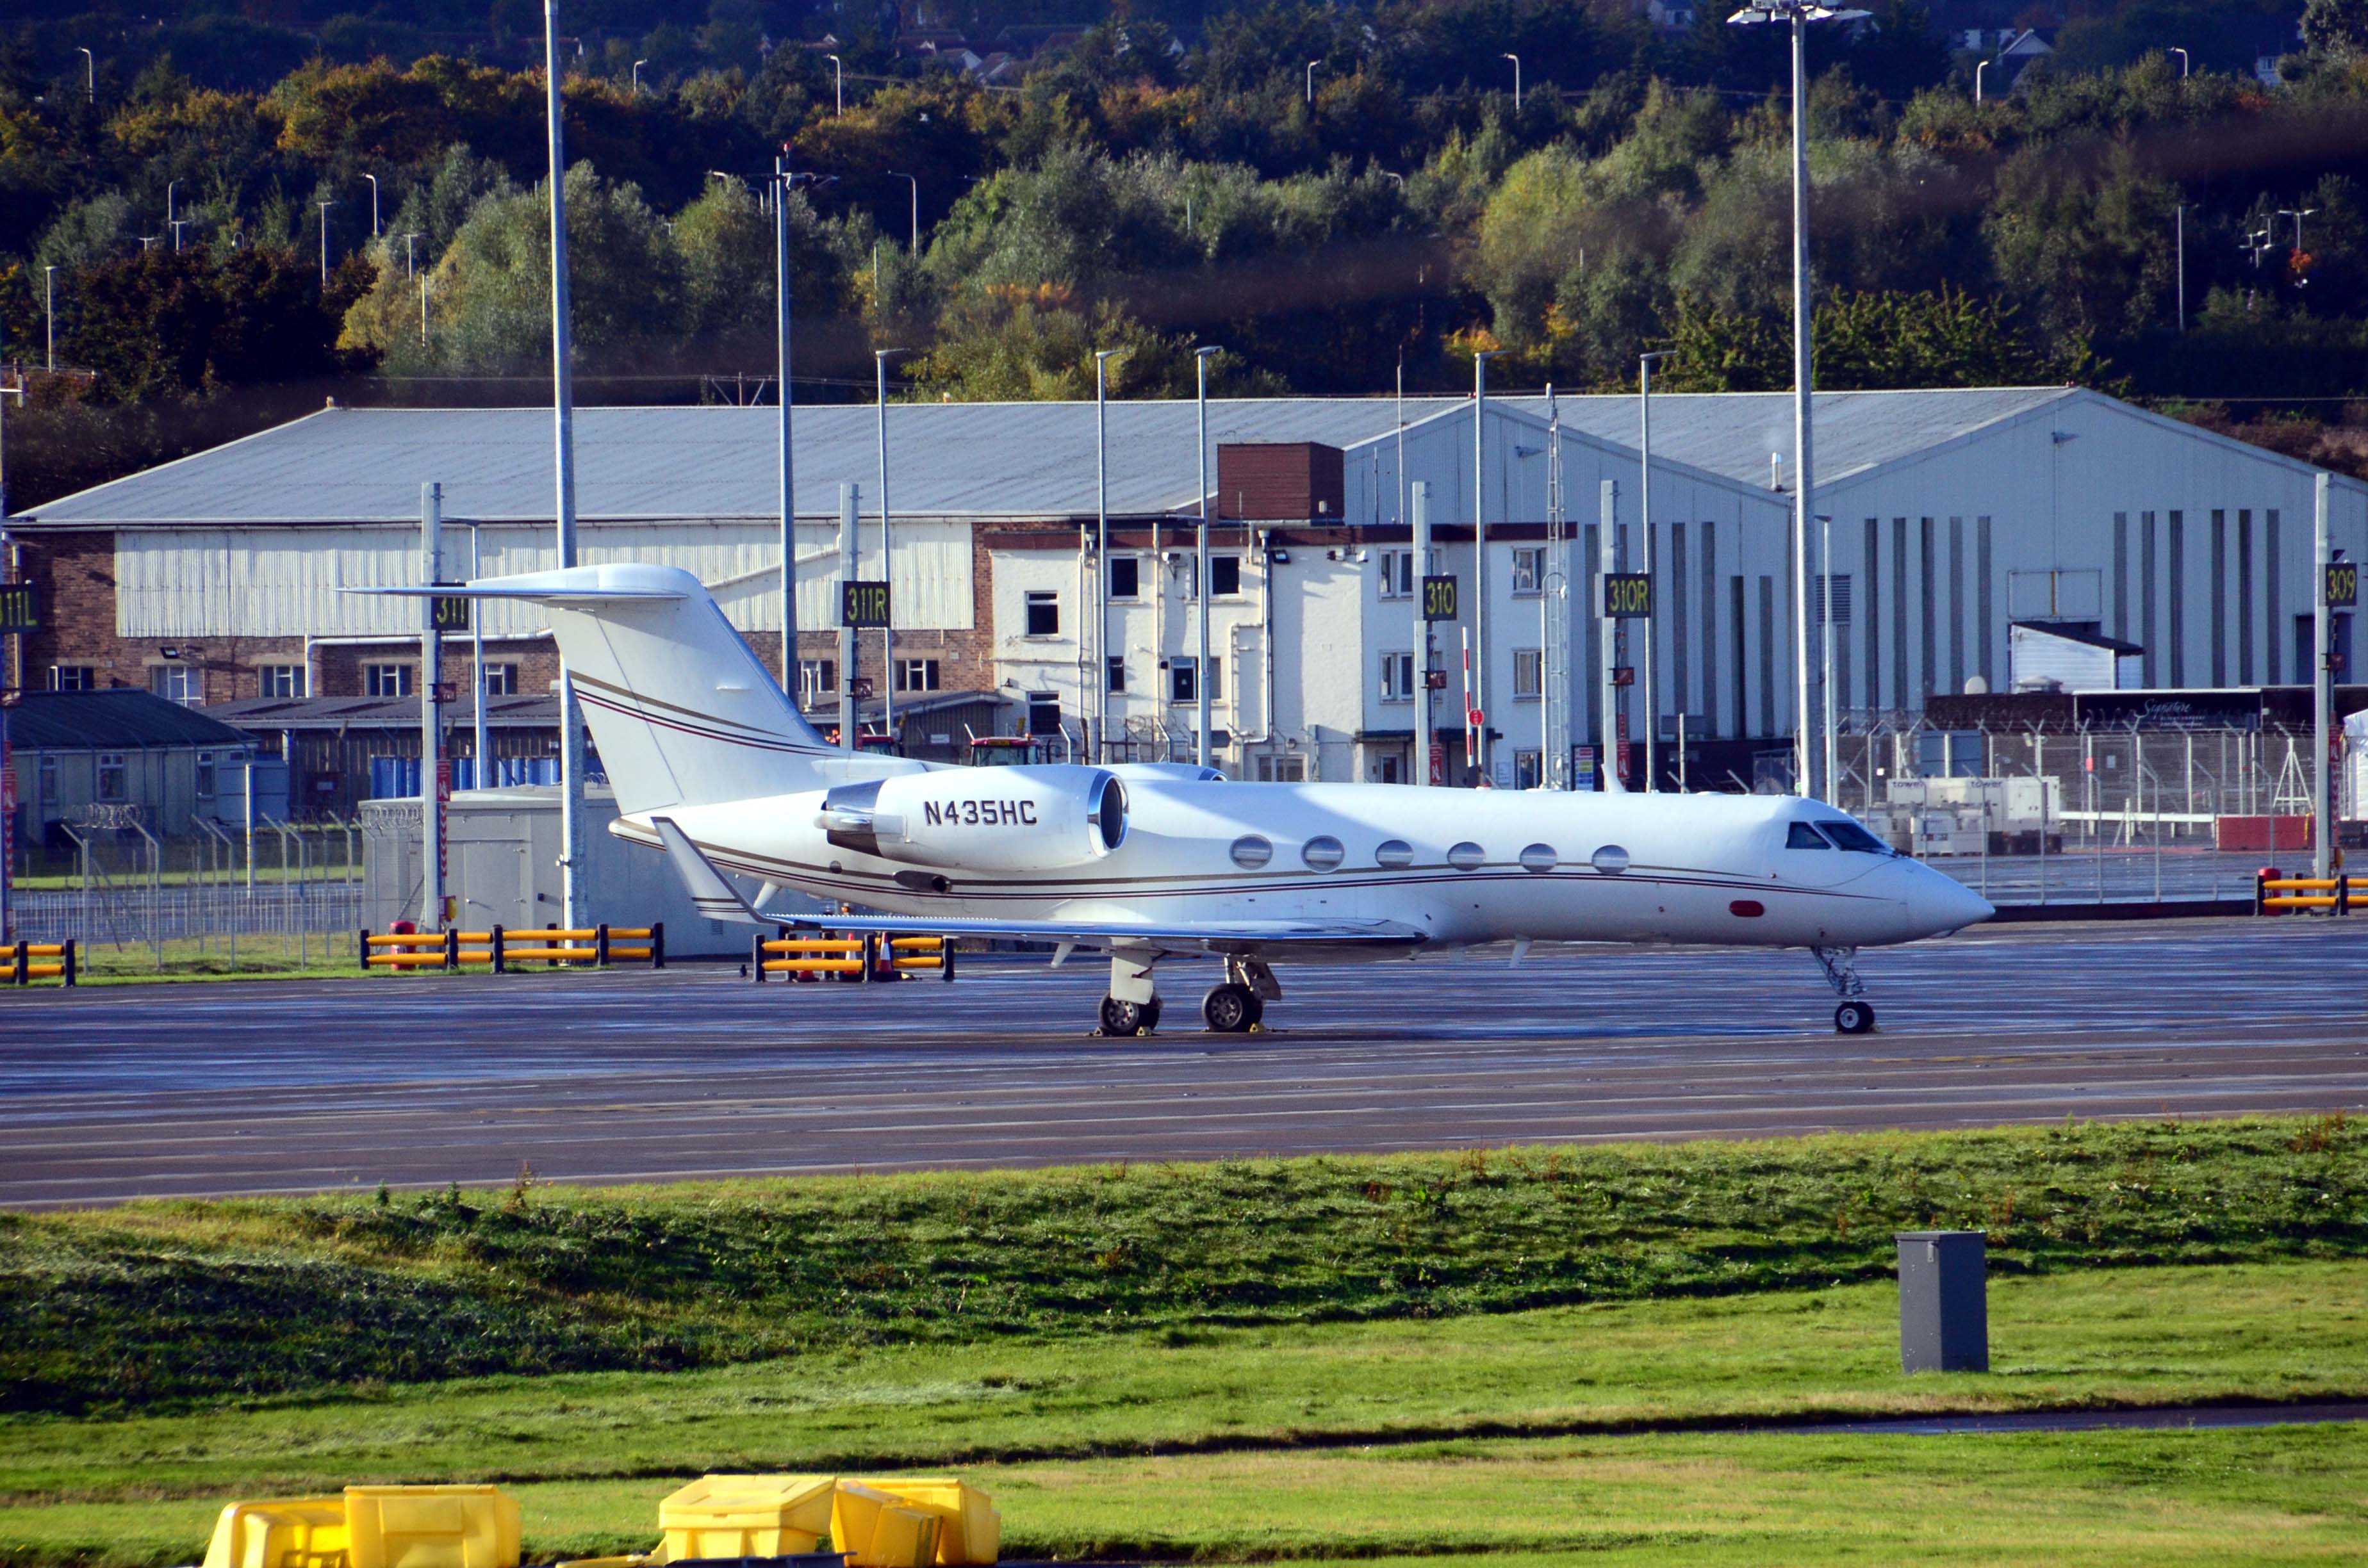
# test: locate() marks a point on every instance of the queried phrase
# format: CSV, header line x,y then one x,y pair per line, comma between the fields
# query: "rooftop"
x,y
979,460
123,717
525,710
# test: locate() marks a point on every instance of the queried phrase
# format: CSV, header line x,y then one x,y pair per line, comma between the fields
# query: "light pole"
x,y
1479,727
1200,566
880,357
1311,82
2178,221
1644,512
324,207
423,313
50,310
637,76
574,857
170,211
177,225
374,224
1799,14
783,183
2297,214
1102,357
839,84
1517,82
410,258
90,78
2182,61
1980,66
915,180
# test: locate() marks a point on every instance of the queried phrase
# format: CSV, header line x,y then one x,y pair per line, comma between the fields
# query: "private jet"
x,y
1151,864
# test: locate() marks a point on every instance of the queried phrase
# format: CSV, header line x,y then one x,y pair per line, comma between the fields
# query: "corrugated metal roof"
x,y
118,716
266,714
1025,459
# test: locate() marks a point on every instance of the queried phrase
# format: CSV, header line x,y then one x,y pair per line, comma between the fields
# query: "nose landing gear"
x,y
1856,1014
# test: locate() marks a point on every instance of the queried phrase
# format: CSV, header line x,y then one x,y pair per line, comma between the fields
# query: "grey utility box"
x,y
1944,1319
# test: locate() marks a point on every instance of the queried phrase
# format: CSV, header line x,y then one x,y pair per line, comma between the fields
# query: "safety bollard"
x,y
600,946
498,966
69,975
452,950
756,957
657,944
2261,880
24,959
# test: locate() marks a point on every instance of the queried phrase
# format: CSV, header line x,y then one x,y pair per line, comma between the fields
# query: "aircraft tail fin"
x,y
682,712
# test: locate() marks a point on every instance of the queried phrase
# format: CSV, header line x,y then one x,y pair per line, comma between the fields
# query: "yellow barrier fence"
x,y
21,964
500,949
861,958
2276,894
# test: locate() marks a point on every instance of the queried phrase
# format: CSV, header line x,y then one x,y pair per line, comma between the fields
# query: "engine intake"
x,y
986,819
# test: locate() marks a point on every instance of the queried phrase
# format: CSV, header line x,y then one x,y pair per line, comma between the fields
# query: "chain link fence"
x,y
287,895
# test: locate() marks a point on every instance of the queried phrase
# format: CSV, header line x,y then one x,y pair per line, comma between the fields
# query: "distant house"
x,y
2064,655
121,756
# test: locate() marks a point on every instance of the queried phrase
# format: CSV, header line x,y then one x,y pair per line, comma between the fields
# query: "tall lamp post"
x,y
373,180
1102,357
880,357
637,76
90,78
838,84
1645,516
1799,14
324,207
782,179
1311,82
50,310
2182,61
575,860
1478,728
1517,82
1201,566
2179,241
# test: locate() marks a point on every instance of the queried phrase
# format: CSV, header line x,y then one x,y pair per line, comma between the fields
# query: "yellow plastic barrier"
x,y
970,1530
747,1515
867,957
431,1527
595,945
287,1532
878,1529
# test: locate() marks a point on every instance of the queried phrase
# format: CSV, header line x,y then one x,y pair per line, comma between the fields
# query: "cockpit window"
x,y
1801,835
1847,835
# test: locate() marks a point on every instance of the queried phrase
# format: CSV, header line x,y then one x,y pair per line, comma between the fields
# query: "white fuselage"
x,y
1459,866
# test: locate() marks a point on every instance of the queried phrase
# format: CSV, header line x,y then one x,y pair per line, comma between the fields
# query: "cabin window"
x,y
1847,835
1250,852
1393,854
1610,859
1539,857
1801,835
1466,856
1323,853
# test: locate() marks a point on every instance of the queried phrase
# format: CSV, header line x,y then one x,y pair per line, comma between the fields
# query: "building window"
x,y
917,674
1116,662
1224,575
1397,573
501,680
1184,679
280,680
817,676
1528,570
1125,577
1044,613
1043,712
1397,677
205,776
386,680
1527,774
71,677
112,779
1528,674
179,683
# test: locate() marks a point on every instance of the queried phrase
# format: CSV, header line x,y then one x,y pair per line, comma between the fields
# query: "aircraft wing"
x,y
715,897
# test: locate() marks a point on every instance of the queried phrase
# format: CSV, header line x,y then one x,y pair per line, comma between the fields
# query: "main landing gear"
x,y
1856,1014
1234,1008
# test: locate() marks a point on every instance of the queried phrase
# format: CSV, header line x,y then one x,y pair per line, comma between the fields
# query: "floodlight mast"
x,y
1799,14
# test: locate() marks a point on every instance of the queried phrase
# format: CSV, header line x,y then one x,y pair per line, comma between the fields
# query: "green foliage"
x,y
1864,341
161,324
194,1301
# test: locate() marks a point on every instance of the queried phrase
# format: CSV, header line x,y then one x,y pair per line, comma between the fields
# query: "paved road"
x,y
293,1086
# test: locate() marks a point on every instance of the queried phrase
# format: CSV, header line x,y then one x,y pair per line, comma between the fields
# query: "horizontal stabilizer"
x,y
610,584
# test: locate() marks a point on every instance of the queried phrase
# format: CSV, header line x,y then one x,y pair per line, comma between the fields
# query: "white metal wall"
x,y
284,582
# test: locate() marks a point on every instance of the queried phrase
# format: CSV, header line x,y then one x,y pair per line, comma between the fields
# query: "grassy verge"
x,y
324,957
194,1302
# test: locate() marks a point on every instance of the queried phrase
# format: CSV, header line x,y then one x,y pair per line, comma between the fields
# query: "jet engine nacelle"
x,y
981,819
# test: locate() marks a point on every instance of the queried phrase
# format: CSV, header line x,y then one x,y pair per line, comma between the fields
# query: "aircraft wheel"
x,y
1854,1017
1150,1023
1230,1009
1123,1017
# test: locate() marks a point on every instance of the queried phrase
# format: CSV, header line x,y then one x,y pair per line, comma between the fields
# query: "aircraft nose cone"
x,y
1940,903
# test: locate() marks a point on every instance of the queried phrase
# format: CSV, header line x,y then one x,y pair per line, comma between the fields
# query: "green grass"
x,y
155,1304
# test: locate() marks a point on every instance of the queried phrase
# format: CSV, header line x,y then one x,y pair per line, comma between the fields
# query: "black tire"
x,y
1854,1017
1229,1010
1150,1024
1120,1018
1258,1009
